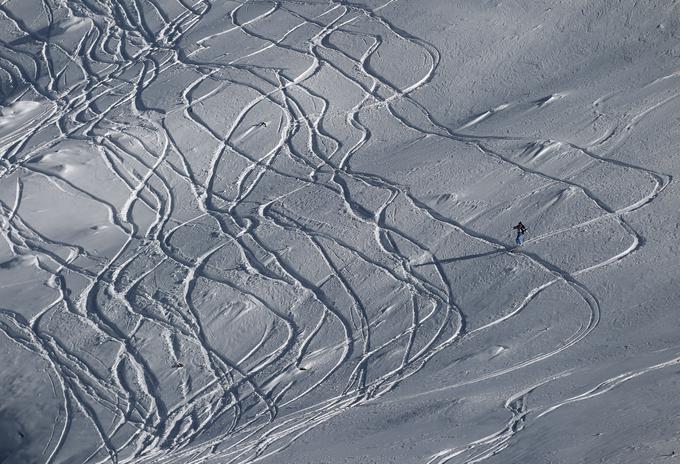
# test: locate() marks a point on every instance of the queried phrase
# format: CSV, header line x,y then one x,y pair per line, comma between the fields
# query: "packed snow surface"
x,y
281,231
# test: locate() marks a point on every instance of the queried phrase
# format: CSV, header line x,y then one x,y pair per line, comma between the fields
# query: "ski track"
x,y
121,55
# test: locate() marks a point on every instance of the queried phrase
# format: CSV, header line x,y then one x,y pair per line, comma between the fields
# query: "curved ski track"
x,y
242,409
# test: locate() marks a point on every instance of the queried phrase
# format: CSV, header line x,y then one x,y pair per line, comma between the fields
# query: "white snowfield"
x,y
281,231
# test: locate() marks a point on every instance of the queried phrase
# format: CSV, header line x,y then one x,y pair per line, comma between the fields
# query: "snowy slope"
x,y
280,232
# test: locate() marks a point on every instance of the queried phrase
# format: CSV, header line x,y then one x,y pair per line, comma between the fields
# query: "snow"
x,y
281,232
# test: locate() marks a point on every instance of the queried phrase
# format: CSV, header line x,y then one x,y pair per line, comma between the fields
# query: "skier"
x,y
521,230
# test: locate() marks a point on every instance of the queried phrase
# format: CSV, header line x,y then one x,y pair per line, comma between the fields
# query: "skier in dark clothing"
x,y
521,230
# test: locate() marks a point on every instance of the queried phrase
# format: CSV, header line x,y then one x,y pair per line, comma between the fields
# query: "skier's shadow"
x,y
466,257
41,35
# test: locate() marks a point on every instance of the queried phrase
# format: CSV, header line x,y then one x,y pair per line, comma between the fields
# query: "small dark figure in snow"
x,y
521,230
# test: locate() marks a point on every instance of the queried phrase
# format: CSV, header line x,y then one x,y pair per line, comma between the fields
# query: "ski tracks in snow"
x,y
250,285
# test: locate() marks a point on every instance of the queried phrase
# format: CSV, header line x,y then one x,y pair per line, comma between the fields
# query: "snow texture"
x,y
281,231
